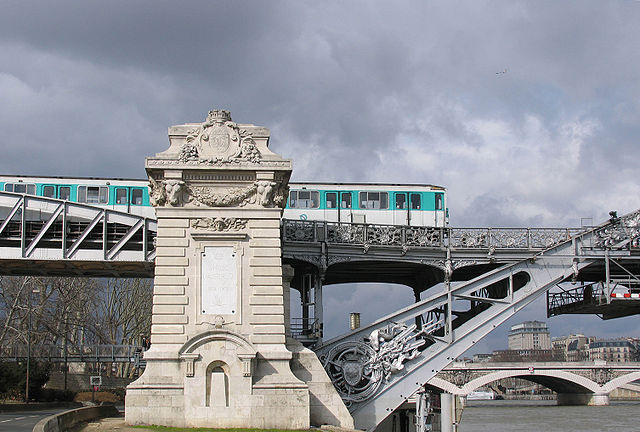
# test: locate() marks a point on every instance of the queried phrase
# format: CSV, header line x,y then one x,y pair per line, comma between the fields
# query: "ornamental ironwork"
x,y
407,237
619,230
359,369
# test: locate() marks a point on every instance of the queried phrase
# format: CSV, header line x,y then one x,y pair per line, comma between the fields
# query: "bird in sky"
x,y
501,72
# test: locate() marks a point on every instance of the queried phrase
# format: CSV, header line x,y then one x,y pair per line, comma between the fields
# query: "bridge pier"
x,y
594,399
219,355
451,407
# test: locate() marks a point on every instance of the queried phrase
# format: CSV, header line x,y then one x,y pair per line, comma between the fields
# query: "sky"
x,y
528,112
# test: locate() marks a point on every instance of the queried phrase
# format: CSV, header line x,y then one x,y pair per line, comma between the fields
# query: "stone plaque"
x,y
219,279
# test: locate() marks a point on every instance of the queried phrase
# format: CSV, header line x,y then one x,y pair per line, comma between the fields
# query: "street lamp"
x,y
26,390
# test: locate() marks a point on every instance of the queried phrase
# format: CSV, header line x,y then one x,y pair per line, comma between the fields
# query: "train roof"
x,y
296,183
367,184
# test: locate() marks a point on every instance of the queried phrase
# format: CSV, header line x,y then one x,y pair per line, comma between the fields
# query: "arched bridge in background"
x,y
466,281
574,382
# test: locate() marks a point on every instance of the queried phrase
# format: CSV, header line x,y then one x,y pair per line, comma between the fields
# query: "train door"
x,y
57,191
331,207
416,215
401,209
121,200
346,206
439,213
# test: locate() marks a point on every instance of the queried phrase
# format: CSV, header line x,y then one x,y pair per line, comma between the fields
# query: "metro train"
x,y
393,204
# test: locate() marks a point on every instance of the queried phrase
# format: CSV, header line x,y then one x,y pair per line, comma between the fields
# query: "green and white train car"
x,y
393,204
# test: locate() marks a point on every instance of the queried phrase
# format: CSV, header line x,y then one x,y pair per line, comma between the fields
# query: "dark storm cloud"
x,y
406,91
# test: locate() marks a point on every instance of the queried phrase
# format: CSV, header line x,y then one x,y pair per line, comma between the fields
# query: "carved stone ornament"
x,y
219,224
219,141
162,192
177,193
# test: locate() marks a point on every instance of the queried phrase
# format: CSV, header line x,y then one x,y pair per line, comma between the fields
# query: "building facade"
x,y
529,335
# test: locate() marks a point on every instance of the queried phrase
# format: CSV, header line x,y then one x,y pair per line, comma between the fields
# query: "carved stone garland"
x,y
177,193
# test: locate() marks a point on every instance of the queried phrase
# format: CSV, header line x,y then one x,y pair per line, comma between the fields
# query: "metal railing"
x,y
73,353
366,235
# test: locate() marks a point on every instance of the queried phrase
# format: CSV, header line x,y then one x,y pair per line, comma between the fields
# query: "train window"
x,y
136,196
345,200
415,201
93,194
374,200
20,188
65,192
304,199
401,201
49,191
121,196
332,200
439,205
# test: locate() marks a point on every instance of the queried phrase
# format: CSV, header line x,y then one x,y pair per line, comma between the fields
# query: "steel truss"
x,y
39,229
378,367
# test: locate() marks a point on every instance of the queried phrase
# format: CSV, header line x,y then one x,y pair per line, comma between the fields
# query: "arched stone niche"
x,y
218,367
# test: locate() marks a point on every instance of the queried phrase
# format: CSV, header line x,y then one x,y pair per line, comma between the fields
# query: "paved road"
x,y
24,421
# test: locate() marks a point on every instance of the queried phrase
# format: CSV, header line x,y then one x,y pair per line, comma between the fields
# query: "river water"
x,y
529,416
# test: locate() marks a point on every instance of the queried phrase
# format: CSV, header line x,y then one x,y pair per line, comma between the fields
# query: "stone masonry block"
x,y
167,329
266,300
267,319
268,310
168,339
267,290
171,252
266,281
169,319
172,261
268,339
171,280
172,242
265,242
173,223
169,271
268,329
168,309
172,233
168,290
265,233
170,299
267,271
266,252
264,223
273,261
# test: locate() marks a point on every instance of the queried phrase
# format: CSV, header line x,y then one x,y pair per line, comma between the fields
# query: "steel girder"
x,y
378,367
36,229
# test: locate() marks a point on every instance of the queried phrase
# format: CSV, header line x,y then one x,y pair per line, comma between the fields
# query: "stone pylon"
x,y
218,352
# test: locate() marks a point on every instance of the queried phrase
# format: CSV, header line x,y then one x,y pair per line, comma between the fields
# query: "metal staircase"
x,y
378,367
